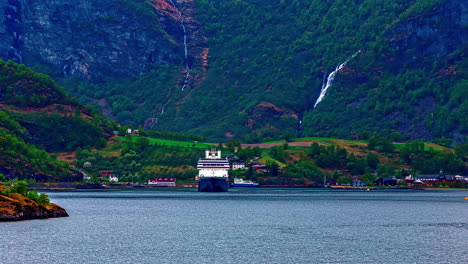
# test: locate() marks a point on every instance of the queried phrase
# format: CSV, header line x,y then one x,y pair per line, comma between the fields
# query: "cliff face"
x,y
170,20
85,38
434,34
426,42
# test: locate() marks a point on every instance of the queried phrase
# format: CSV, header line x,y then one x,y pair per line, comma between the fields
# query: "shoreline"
x,y
192,186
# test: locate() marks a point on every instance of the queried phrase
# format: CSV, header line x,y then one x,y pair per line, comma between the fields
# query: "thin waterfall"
x,y
329,81
187,68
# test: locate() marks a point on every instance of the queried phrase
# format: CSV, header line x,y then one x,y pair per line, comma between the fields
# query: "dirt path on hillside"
x,y
269,145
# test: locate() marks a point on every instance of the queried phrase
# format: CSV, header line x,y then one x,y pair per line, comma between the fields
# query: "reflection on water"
x,y
244,226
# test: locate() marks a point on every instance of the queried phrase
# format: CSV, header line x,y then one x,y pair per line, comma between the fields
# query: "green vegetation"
x,y
22,188
130,102
22,87
257,56
26,160
137,159
166,142
264,74
36,116
266,68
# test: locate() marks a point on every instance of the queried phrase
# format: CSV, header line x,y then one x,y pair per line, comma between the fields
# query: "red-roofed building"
x,y
258,166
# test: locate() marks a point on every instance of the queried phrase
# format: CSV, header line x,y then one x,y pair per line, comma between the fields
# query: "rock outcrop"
x,y
20,208
17,207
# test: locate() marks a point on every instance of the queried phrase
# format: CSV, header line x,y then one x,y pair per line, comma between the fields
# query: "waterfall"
x,y
187,68
329,81
299,128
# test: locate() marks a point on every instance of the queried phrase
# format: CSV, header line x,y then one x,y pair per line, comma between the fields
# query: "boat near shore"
x,y
213,172
238,182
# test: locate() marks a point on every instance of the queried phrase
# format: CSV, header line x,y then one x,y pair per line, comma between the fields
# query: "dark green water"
x,y
245,226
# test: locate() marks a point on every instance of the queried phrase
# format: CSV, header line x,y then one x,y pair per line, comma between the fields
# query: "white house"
x,y
113,178
86,177
238,165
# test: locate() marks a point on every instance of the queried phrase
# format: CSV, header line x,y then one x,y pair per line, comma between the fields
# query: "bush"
x,y
43,199
20,187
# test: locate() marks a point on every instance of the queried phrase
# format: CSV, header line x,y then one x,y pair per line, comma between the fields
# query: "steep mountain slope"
x,y
124,56
254,69
412,80
266,71
37,116
84,38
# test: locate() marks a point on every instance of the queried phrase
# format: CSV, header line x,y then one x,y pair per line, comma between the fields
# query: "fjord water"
x,y
245,226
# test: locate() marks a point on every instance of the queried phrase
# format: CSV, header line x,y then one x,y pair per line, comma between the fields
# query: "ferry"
x,y
238,182
213,172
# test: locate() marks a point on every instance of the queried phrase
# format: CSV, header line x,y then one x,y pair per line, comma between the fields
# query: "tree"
x,y
368,178
142,143
43,199
20,187
397,137
343,180
372,160
387,146
273,168
3,178
287,137
372,143
314,149
278,153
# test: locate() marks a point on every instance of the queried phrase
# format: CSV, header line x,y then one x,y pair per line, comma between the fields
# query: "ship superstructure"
x,y
213,172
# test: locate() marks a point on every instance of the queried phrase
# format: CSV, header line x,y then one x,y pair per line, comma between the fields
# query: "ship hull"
x,y
213,185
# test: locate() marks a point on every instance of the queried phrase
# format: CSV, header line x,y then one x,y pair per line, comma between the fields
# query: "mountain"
x,y
254,69
37,118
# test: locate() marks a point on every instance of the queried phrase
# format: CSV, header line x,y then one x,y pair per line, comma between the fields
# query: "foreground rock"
x,y
17,207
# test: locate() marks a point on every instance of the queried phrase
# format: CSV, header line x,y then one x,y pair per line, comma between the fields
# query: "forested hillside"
x,y
269,60
254,69
36,118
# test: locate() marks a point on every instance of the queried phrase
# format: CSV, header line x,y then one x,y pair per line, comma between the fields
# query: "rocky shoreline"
x,y
17,207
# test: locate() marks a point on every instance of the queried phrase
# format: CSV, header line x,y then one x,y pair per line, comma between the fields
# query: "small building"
x,y
113,178
136,133
104,174
358,183
108,175
238,165
86,177
258,166
431,179
386,181
163,182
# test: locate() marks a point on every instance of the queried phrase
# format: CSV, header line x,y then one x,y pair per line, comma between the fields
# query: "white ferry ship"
x,y
213,172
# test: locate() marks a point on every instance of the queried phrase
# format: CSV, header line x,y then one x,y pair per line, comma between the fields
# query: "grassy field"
x,y
167,142
346,143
